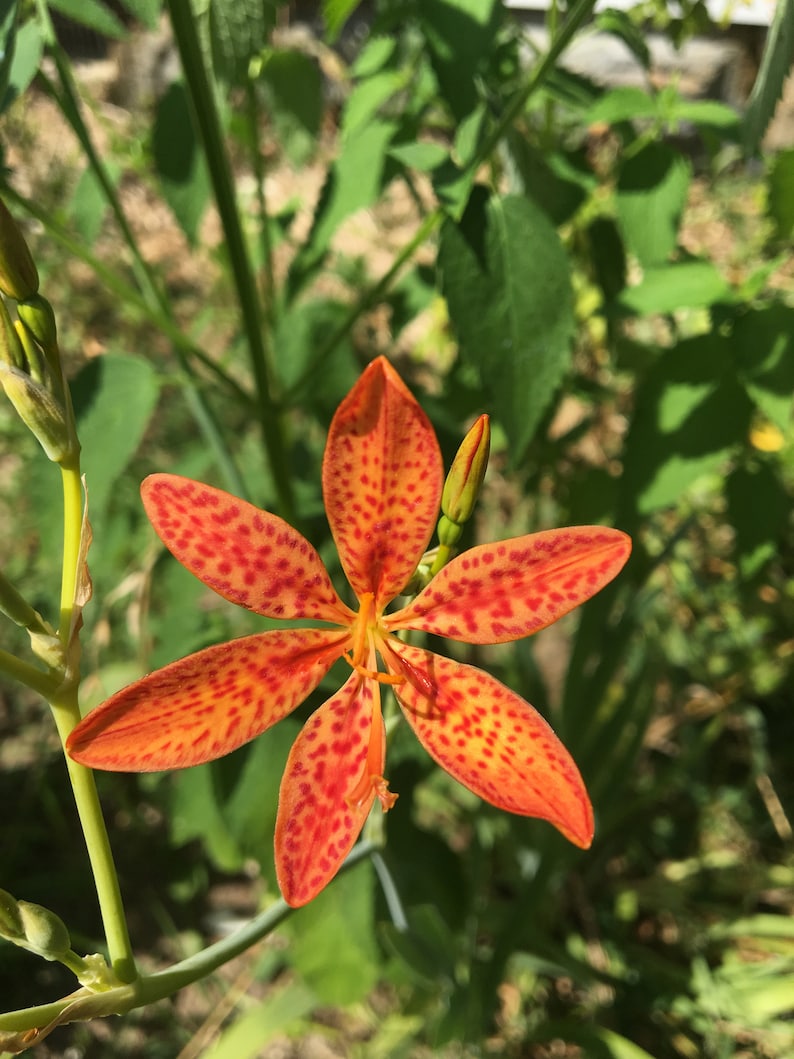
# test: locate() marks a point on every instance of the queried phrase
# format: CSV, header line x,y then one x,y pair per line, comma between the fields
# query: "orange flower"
x,y
382,481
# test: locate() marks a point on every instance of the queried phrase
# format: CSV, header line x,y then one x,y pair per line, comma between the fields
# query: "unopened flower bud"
x,y
37,314
19,278
466,474
39,410
11,351
45,933
10,919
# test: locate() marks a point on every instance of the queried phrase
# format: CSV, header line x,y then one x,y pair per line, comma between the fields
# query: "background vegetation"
x,y
608,274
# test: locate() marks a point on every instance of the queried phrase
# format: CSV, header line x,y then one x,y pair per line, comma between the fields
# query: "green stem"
x,y
27,674
258,168
151,988
66,711
205,111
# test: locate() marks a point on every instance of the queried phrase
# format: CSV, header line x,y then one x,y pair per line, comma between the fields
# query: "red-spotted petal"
x,y
246,555
500,592
382,477
208,704
330,782
491,741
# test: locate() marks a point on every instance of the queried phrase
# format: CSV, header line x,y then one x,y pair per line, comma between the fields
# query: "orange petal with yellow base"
x,y
333,774
246,555
207,704
382,478
496,593
491,741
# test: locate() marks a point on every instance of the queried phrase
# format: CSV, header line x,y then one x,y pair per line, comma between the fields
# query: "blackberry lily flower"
x,y
382,482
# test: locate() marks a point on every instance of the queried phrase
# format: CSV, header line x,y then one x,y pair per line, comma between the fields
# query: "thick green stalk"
x,y
66,711
205,111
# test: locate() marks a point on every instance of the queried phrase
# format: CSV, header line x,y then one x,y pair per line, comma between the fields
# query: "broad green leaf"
x,y
622,104
9,13
608,256
506,278
25,61
620,25
239,31
707,113
764,347
353,183
114,398
333,946
300,336
460,35
368,97
296,90
280,1012
689,285
421,156
781,194
690,411
179,160
427,947
195,812
551,179
374,55
93,14
89,203
759,508
145,11
651,195
336,13
768,87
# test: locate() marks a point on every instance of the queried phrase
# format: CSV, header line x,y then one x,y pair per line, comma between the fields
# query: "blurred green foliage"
x,y
533,257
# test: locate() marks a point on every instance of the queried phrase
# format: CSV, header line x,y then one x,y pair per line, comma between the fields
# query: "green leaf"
x,y
706,113
239,30
25,60
279,1013
651,195
620,25
296,92
764,346
758,508
195,812
780,200
690,411
427,948
768,87
622,104
114,398
93,14
460,35
89,203
420,156
145,11
9,12
179,161
299,336
336,13
688,285
368,96
506,278
333,945
353,183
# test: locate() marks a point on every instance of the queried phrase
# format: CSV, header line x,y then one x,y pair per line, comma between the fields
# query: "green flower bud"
x,y
466,474
10,919
19,278
37,314
45,933
35,363
39,410
11,351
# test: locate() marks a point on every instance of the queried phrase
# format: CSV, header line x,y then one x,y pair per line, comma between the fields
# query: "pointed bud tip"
x,y
19,278
467,472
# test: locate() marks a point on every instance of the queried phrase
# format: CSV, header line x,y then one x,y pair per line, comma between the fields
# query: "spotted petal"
x,y
491,741
495,593
382,477
207,704
246,555
327,789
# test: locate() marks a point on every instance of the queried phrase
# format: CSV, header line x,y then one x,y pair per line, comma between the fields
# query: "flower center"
x,y
367,630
